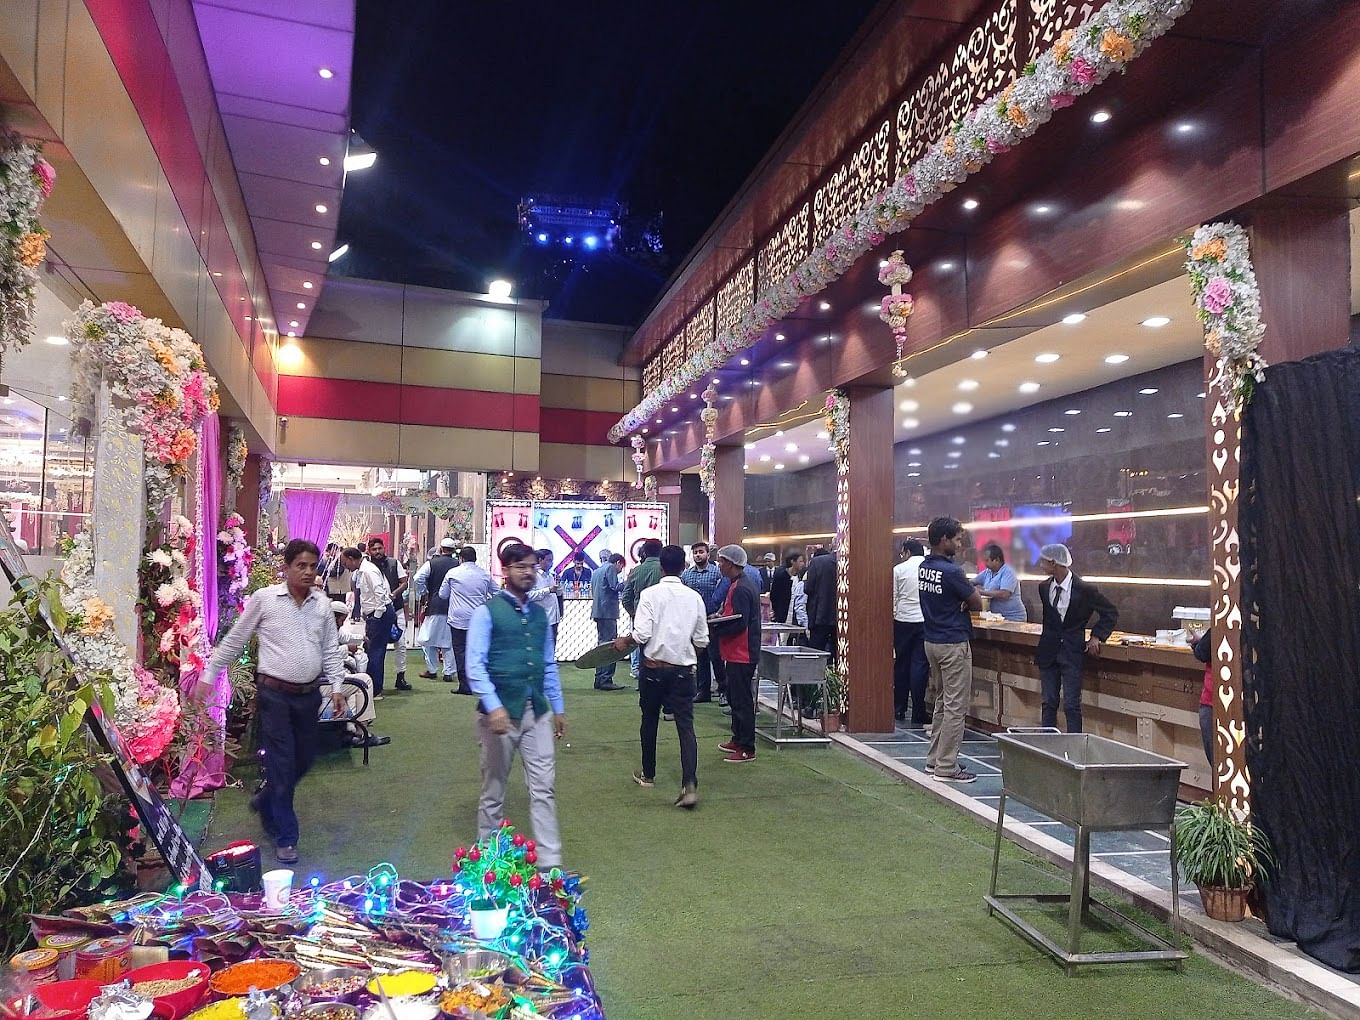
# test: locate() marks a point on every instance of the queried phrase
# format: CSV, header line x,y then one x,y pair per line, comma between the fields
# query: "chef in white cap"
x,y
1068,604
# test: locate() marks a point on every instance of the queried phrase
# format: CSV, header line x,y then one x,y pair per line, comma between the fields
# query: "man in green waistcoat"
x,y
512,669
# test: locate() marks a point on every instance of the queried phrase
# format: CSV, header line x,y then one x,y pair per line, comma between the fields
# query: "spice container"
x,y
104,960
66,945
39,964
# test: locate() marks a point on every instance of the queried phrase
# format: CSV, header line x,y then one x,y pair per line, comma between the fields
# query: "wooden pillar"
x,y
729,500
668,492
865,562
248,498
1300,252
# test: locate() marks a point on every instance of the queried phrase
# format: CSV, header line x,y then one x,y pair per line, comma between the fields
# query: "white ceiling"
x,y
927,405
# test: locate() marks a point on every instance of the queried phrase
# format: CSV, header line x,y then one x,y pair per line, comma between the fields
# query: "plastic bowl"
x,y
65,1000
176,1003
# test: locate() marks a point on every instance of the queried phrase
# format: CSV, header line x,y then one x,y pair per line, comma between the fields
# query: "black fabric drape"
x,y
1300,532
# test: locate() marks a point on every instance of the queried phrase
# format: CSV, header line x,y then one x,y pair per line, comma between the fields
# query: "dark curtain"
x,y
1300,532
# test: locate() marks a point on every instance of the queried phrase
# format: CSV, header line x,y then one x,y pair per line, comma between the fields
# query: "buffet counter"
x,y
1144,695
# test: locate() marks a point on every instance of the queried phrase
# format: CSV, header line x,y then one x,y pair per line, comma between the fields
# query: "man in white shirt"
x,y
671,622
374,598
911,671
545,590
464,588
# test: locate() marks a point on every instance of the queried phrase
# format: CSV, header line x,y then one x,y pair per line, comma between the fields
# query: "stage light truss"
x,y
570,223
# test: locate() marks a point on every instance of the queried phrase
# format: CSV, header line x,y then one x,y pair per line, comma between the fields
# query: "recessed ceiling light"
x,y
786,364
914,463
306,284
779,467
1104,428
764,458
958,440
675,410
1008,427
779,337
1184,127
823,435
1043,442
301,306
1072,410
951,467
218,275
1029,387
824,305
644,432
326,73
993,455
962,407
1175,414
910,423
750,446
970,204
1073,319
1002,442
1156,322
1148,391
803,458
56,341
1116,359
956,453
910,405
745,361
292,333
968,385
779,433
293,323
1043,209
978,355
1201,395
915,451
324,161
913,474
1100,116
946,266
658,421
790,447
321,209
316,246
1123,414
1046,359
1055,428
753,383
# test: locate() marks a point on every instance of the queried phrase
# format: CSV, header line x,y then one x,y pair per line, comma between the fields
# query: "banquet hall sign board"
x,y
566,527
158,822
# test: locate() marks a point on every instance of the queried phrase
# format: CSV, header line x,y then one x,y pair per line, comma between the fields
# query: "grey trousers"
x,y
534,740
951,674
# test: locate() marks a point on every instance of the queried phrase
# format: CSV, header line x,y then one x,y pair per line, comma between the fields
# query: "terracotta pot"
x,y
831,722
1224,904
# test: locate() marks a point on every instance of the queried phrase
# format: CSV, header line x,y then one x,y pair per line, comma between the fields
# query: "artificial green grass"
x,y
807,884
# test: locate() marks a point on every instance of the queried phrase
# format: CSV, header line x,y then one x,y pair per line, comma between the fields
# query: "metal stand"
x,y
1081,907
783,672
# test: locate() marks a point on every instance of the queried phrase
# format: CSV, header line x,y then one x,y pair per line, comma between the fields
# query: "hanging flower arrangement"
x,y
146,711
237,452
837,413
649,488
1228,303
237,559
896,307
172,607
1081,59
161,387
26,181
708,469
639,456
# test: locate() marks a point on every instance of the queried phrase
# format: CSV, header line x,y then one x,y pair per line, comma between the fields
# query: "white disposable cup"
x,y
278,885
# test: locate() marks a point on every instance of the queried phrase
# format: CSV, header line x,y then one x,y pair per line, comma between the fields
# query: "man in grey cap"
x,y
739,641
1068,605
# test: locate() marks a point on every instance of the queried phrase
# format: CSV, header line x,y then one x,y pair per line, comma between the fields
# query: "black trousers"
x,y
378,629
1062,678
823,637
460,656
911,671
288,734
673,690
719,669
742,702
703,672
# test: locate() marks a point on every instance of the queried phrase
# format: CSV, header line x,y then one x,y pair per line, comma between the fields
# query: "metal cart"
x,y
786,666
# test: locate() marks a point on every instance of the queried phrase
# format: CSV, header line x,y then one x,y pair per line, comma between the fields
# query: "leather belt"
x,y
658,664
284,687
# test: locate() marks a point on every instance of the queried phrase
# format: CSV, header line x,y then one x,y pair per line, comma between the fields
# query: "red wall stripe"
x,y
354,400
575,426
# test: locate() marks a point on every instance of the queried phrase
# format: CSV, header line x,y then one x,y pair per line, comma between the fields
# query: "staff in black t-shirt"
x,y
947,596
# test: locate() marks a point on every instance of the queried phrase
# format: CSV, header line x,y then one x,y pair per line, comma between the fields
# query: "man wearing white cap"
x,y
436,638
1068,604
358,687
739,639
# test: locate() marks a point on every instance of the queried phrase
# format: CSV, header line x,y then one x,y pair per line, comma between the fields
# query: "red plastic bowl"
x,y
66,1000
176,1004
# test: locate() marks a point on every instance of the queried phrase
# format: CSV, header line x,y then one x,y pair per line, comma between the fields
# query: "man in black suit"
x,y
819,584
1068,604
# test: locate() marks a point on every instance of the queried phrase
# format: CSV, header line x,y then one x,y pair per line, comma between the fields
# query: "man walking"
x,y
947,596
740,642
819,584
465,588
396,576
604,610
670,625
512,667
703,578
298,644
436,639
373,601
910,668
1068,604
640,578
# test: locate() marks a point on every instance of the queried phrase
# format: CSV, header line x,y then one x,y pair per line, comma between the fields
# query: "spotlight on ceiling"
x,y
1073,319
1100,116
338,254
57,341
1156,322
499,289
360,155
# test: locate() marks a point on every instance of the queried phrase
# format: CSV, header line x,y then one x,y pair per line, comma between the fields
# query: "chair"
x,y
350,688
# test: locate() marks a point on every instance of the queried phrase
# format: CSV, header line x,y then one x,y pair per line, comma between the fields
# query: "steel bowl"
x,y
306,984
344,1011
475,965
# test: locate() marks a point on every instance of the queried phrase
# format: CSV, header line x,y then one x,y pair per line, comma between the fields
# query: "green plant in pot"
x,y
1222,855
834,697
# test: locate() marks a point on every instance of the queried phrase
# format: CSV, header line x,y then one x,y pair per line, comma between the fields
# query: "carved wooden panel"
x,y
697,333
843,568
652,373
782,253
1048,19
982,64
850,187
735,298
672,354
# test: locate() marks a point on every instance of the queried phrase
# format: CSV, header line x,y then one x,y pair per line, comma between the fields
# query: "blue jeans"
x,y
378,629
288,732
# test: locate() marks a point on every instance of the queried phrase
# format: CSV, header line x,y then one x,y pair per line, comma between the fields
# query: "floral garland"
x,y
265,491
504,487
237,452
26,181
837,412
896,307
649,488
708,456
161,386
1228,303
172,608
639,456
145,711
455,510
237,560
1081,59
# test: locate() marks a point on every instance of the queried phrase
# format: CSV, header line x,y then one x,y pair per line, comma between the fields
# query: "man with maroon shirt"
x,y
739,641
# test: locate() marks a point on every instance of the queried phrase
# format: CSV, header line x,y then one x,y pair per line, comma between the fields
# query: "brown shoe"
x,y
689,797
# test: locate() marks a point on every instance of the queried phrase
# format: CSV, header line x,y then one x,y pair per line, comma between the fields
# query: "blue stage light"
x,y
591,241
568,240
542,238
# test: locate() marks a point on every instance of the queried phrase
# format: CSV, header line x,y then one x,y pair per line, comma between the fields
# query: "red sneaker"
x,y
739,756
728,747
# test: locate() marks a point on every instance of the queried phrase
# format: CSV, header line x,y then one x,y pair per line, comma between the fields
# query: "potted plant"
x,y
500,871
1222,855
833,707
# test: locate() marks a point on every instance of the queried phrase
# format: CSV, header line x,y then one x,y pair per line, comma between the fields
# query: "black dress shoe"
x,y
702,699
610,686
427,676
402,685
373,740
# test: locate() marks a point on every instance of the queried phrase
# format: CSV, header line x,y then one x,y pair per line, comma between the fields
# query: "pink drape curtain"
x,y
204,769
311,514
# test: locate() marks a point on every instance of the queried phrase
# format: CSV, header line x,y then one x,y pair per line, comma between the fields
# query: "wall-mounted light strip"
x,y
1179,582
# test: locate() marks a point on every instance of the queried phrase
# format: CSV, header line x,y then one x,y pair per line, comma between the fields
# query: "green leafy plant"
x,y
836,692
1216,850
61,834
